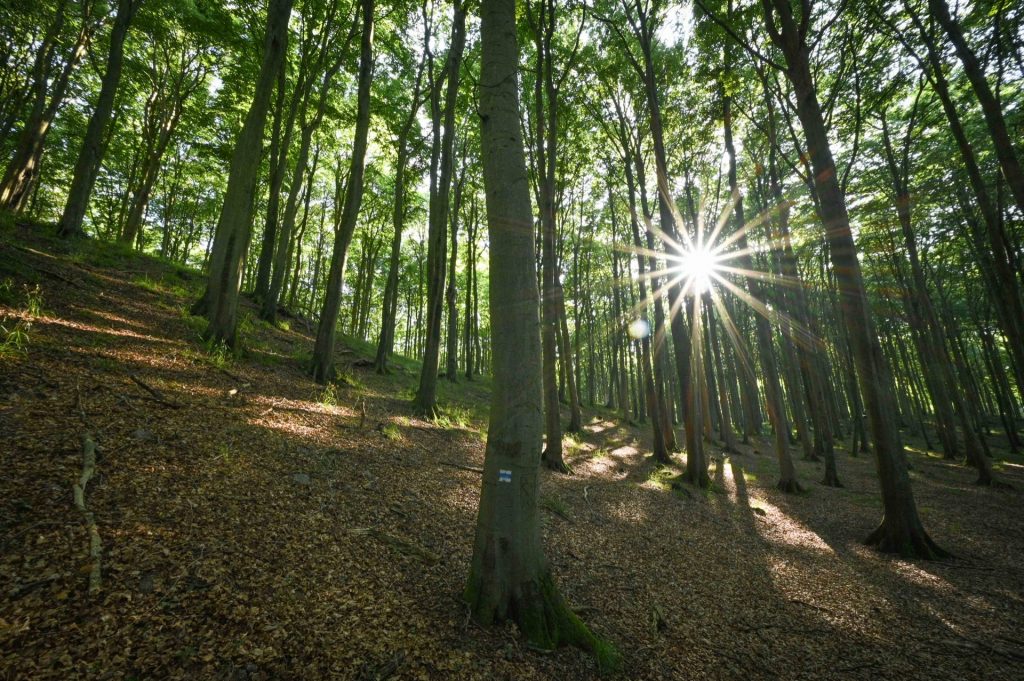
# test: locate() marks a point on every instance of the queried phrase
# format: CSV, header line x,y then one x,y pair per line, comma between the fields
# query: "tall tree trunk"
x,y
425,400
271,300
509,576
389,307
90,155
280,141
996,260
467,326
234,228
545,152
994,119
21,176
323,350
451,296
762,329
901,530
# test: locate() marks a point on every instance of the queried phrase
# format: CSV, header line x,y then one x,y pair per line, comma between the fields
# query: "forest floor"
x,y
257,526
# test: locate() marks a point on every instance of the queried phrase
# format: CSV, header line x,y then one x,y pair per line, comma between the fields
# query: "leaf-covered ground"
x,y
256,526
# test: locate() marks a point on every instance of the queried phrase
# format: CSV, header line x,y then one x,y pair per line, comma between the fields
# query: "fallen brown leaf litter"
x,y
253,526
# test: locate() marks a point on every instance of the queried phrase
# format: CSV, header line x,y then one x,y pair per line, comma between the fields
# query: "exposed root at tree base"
x,y
555,463
991,482
789,486
545,620
908,543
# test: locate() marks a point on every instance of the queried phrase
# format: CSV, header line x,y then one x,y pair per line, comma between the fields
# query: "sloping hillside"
x,y
254,525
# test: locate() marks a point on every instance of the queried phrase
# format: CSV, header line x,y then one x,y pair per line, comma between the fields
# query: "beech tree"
x,y
509,577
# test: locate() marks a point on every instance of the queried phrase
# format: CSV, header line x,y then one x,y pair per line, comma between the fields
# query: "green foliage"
x,y
33,300
328,397
392,432
450,416
15,338
349,378
218,354
556,506
8,292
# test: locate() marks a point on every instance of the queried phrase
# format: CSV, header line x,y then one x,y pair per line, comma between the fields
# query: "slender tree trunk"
x,y
762,329
280,142
996,260
234,228
901,530
467,326
271,300
993,113
425,400
90,155
21,176
323,350
451,295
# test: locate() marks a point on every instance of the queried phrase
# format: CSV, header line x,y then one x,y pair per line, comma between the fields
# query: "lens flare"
x,y
698,265
639,328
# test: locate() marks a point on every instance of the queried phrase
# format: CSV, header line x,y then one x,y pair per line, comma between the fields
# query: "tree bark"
x,y
22,173
901,530
90,155
425,400
994,119
234,228
509,576
323,349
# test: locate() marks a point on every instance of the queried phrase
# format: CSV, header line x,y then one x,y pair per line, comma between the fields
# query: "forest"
x,y
511,339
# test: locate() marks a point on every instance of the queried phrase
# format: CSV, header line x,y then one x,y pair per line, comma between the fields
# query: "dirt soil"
x,y
254,525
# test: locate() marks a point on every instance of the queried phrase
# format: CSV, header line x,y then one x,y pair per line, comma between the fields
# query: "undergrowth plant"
x,y
15,338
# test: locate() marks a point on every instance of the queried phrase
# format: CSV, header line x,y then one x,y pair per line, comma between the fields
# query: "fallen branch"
x,y
658,621
462,467
88,469
402,545
230,375
157,395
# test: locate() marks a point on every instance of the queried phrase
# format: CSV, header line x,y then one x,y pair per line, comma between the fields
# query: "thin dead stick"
x,y
95,551
157,395
462,467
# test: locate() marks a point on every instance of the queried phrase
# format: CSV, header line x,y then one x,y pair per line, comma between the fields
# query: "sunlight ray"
x,y
733,333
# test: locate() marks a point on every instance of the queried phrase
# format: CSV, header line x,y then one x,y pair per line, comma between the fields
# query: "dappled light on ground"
x,y
250,517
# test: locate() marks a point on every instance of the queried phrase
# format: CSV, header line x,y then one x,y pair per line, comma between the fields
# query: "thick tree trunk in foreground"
x,y
901,530
509,577
234,228
90,156
323,349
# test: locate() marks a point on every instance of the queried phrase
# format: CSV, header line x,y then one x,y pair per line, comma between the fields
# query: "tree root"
x,y
556,464
790,486
545,619
403,546
156,394
909,543
832,481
